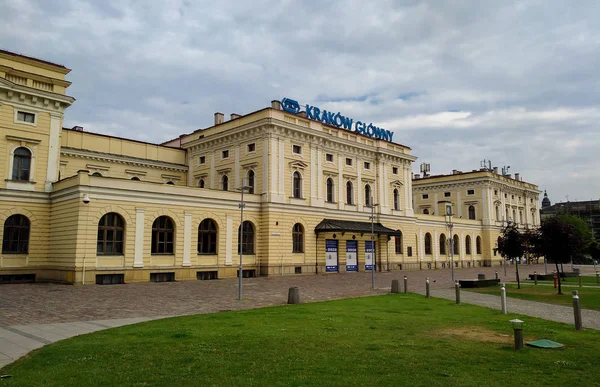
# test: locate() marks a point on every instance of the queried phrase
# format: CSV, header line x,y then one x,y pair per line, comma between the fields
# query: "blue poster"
x,y
331,255
351,256
369,255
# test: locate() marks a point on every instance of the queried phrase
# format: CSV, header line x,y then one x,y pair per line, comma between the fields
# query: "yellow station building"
x,y
88,208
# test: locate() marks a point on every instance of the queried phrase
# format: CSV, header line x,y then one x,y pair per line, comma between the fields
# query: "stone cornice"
x,y
118,159
13,93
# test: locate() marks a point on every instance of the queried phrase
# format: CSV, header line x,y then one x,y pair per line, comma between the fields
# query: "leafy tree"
x,y
594,250
531,241
561,238
511,245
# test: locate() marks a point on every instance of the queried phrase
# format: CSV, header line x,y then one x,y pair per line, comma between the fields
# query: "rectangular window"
x,y
348,161
395,170
367,165
470,192
512,197
329,157
496,192
110,279
202,160
409,251
162,277
425,196
225,154
297,149
447,194
26,117
207,275
251,147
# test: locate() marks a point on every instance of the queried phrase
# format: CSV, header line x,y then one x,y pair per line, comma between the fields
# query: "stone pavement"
x,y
33,315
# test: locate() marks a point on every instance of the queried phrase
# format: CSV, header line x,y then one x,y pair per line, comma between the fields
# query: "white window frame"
x,y
19,110
367,165
297,153
225,157
200,162
248,146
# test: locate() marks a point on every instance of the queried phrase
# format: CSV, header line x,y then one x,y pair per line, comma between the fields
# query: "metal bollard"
x,y
395,286
294,295
427,291
457,288
535,277
496,274
503,299
580,281
577,311
405,284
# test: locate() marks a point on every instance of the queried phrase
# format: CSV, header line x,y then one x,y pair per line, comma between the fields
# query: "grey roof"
x,y
335,225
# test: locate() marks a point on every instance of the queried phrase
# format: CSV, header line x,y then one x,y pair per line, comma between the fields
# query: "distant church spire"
x,y
546,202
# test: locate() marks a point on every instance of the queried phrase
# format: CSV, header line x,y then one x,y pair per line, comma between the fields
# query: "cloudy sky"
x,y
458,81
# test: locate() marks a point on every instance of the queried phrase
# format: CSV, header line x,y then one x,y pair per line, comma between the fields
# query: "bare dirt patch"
x,y
477,334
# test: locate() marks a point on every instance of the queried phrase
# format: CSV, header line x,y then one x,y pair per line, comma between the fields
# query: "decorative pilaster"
x,y
138,255
187,239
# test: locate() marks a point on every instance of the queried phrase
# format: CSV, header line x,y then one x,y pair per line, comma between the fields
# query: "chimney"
x,y
275,104
517,176
455,172
78,128
234,116
417,176
496,170
219,118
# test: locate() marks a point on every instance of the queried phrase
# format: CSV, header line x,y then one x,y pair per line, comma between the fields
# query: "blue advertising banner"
x,y
369,254
331,255
351,256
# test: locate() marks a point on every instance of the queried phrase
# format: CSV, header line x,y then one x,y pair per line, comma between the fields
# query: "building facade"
x,y
587,210
82,207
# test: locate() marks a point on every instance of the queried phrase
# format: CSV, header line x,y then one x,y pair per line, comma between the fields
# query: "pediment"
x,y
298,164
396,183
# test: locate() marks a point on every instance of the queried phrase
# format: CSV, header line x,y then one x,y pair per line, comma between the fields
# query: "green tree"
x,y
531,241
511,245
594,251
563,237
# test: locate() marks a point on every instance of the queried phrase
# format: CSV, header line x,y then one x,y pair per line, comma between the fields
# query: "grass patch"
x,y
589,297
388,340
574,281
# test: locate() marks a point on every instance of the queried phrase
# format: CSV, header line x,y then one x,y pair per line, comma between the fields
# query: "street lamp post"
x,y
373,260
450,225
241,241
86,201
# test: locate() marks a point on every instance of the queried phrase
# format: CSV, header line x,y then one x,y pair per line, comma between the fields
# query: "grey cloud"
x,y
512,81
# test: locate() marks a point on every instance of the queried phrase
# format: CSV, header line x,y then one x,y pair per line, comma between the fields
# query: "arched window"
x,y
16,235
468,245
426,211
135,178
297,185
368,197
207,237
201,183
507,217
110,234
514,218
396,199
248,239
428,244
98,174
478,245
163,236
455,245
521,217
443,244
170,183
251,181
349,193
298,238
472,212
497,213
225,183
330,190
21,164
398,243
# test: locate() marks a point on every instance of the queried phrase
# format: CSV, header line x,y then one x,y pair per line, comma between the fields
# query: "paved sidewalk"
x,y
33,315
551,312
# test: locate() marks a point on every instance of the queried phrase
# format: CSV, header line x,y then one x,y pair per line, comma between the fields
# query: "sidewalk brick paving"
x,y
32,315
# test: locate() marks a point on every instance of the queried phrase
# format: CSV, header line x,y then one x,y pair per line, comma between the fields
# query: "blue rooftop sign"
x,y
337,119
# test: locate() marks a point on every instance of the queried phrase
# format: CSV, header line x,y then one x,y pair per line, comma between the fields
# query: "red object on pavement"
x,y
555,281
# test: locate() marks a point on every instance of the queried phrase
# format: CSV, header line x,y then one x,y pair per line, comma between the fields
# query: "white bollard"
x,y
503,299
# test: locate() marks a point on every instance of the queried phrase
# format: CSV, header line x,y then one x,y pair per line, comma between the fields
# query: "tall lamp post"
x,y
86,201
241,241
450,225
372,217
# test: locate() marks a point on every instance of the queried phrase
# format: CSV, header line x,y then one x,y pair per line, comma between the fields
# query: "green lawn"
x,y
586,280
387,340
589,297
